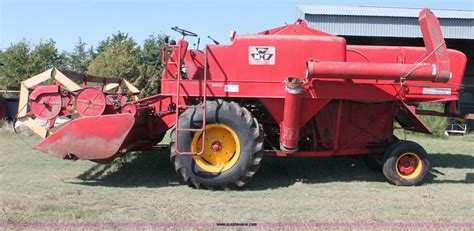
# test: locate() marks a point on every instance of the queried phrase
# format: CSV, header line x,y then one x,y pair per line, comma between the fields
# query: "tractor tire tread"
x,y
256,157
390,159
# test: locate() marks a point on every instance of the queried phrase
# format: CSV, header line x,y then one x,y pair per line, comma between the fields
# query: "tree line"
x,y
119,55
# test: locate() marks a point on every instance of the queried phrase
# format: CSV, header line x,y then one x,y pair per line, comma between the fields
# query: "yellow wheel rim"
x,y
221,148
409,166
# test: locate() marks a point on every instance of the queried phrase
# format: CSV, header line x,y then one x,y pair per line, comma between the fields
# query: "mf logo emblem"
x,y
261,55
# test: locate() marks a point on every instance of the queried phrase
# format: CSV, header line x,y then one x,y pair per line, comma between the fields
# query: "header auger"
x,y
288,91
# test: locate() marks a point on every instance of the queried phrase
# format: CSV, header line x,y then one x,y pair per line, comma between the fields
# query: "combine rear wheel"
x,y
406,163
233,146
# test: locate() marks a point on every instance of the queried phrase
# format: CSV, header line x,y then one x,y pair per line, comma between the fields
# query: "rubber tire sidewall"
x,y
218,112
390,164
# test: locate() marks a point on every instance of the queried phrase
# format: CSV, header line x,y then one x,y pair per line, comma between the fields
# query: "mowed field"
x,y
143,187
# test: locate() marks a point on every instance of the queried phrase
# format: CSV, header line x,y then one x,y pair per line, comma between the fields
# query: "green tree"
x,y
16,60
22,62
45,55
79,59
118,38
437,123
151,66
118,56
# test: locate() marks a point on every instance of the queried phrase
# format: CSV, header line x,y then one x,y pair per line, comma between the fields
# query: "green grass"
x,y
143,187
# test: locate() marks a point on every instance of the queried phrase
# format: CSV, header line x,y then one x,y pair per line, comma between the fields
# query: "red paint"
x,y
90,102
129,108
347,105
216,146
351,125
407,164
437,70
89,138
289,129
46,102
378,71
435,45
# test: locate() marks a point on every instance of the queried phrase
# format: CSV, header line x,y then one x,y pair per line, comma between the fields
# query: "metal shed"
x,y
373,25
384,21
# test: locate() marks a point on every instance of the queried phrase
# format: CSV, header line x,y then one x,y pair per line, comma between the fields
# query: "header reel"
x,y
66,98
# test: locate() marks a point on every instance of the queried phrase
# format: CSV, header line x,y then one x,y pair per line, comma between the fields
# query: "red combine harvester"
x,y
288,91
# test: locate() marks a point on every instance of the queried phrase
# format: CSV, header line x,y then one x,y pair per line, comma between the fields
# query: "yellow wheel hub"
x,y
221,148
409,165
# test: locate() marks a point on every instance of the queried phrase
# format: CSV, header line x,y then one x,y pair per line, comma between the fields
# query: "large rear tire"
x,y
406,163
233,148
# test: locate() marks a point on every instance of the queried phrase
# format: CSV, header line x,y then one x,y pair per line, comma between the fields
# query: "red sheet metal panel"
x,y
435,46
89,138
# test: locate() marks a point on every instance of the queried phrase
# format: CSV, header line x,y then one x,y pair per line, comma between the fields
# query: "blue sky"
x,y
67,20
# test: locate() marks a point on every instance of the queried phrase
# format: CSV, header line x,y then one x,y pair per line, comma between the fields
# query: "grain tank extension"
x,y
287,91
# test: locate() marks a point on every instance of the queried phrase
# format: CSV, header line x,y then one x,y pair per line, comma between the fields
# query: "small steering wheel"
x,y
184,32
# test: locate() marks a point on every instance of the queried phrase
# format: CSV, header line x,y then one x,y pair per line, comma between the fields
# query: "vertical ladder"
x,y
203,89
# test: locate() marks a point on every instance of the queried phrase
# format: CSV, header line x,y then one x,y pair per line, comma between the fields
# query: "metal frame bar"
x,y
338,125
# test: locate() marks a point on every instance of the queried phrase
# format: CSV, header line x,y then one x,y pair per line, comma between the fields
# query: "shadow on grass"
x,y
446,160
137,169
153,169
456,161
